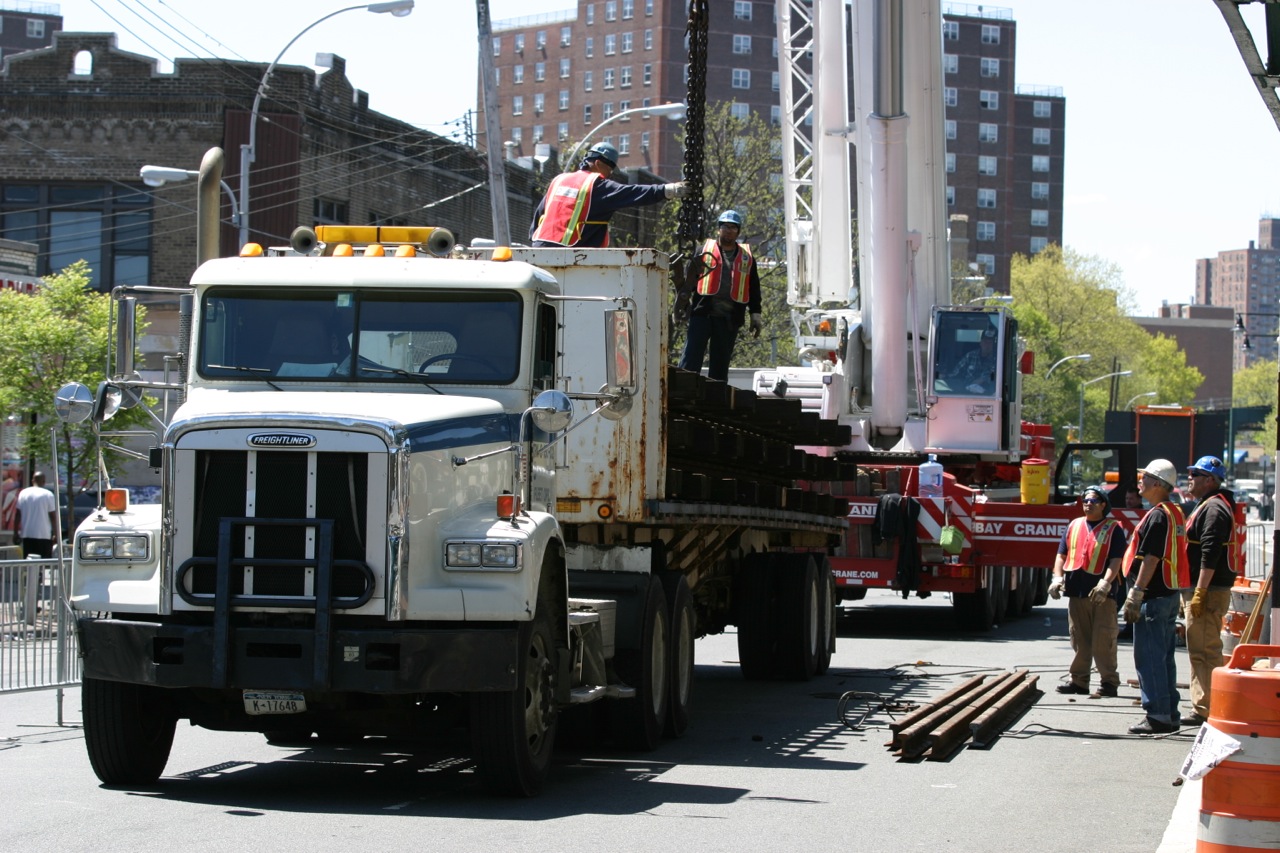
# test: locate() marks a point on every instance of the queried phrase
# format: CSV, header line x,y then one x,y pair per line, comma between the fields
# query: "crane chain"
x,y
692,213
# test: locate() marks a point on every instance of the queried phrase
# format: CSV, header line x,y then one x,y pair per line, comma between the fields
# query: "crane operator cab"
x,y
974,381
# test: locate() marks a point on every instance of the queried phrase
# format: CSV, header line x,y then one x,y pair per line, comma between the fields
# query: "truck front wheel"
x,y
638,722
128,730
513,732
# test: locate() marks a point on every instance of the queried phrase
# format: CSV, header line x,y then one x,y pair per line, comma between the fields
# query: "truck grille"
x,y
276,489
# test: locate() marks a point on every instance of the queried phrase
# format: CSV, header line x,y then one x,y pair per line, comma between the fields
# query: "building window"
x,y
497,76
775,115
586,114
588,81
539,71
1038,244
648,74
520,43
1041,109
611,10
627,40
644,141
774,81
590,47
564,69
610,45
330,212
987,263
497,46
566,36
986,231
517,135
950,63
951,196
644,103
35,28
648,39
624,143
951,162
537,133
951,128
988,132
628,9
517,105
607,112
1040,218
986,198
949,96
741,78
625,81
987,165
1039,163
539,103
564,99
591,13
742,45
648,7
990,67
1039,189
540,40
989,100
741,112
951,30
517,74
990,34
623,106
608,78
562,130
1039,136
741,10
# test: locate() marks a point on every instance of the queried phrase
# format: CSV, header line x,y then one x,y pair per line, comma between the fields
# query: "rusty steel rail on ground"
x,y
976,709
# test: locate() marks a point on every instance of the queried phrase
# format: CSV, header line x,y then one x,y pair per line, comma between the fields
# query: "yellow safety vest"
x,y
1173,565
1087,548
739,276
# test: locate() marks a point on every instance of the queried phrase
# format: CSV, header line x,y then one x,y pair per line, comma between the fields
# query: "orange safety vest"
x,y
1087,548
1175,572
1235,551
739,276
565,214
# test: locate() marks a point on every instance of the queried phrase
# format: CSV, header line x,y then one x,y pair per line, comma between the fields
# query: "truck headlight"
x,y
114,547
503,556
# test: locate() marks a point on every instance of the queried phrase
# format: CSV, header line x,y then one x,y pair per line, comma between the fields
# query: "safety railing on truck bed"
x,y
38,648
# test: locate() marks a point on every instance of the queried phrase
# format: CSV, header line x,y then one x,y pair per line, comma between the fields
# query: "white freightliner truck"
x,y
408,494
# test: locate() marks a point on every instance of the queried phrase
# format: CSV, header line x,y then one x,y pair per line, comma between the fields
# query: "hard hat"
x,y
1162,469
1210,465
731,217
989,332
1099,493
604,151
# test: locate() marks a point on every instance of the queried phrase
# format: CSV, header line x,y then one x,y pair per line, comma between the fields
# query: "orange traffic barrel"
x,y
1244,596
1240,798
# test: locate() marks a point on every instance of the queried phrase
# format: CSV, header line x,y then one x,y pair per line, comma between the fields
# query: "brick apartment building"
x,y
1248,282
26,26
561,74
1205,333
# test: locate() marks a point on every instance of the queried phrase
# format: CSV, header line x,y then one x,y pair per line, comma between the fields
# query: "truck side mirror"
x,y
73,403
552,411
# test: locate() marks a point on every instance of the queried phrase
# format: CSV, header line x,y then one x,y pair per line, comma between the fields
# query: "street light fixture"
x,y
1084,356
248,153
158,176
1001,298
1139,397
1083,385
674,110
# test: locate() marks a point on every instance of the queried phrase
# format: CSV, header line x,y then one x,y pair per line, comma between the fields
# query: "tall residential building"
x,y
1248,282
561,74
27,26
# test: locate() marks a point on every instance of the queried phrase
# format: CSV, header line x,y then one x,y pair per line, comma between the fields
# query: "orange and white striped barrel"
x,y
1240,798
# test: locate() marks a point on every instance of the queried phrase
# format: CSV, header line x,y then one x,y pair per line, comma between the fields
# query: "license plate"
x,y
259,702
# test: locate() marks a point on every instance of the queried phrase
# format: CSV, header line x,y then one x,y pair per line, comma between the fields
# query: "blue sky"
x,y
1171,155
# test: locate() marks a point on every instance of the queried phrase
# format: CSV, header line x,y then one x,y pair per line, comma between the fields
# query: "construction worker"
x,y
1156,563
576,208
1088,563
1209,544
725,286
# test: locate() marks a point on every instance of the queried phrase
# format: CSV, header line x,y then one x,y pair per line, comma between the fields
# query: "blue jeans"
x,y
1153,644
720,333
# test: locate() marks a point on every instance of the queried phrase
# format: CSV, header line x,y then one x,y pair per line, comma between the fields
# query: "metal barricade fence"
x,y
1257,550
38,647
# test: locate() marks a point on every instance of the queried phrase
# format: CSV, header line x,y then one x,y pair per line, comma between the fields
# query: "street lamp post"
x,y
249,152
1084,356
1137,397
158,176
1083,385
674,110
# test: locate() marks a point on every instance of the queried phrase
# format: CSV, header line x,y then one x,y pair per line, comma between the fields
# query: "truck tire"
x,y
638,723
755,607
684,632
513,732
801,617
128,730
1041,597
975,611
827,590
1026,590
1000,593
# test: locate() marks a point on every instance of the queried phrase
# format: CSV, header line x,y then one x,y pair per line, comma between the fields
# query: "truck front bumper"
x,y
377,660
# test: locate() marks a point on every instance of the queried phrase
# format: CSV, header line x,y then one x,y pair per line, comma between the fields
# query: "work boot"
x,y
1073,689
1106,691
1152,727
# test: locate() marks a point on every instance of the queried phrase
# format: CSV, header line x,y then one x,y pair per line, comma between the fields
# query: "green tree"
x,y
742,171
1068,304
58,334
1256,386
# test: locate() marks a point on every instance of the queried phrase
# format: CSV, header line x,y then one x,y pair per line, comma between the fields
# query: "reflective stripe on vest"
x,y
740,275
1235,553
1087,547
1174,570
565,214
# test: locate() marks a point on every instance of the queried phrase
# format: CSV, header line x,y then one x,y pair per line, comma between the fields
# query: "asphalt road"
x,y
763,767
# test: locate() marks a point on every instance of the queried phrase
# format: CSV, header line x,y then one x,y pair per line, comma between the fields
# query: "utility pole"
x,y
492,129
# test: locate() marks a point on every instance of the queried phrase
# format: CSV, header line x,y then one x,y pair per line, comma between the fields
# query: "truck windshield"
x,y
376,335
966,348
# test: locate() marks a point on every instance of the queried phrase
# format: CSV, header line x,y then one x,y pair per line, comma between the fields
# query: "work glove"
x,y
757,323
676,190
1055,588
1133,605
1196,607
1101,591
681,310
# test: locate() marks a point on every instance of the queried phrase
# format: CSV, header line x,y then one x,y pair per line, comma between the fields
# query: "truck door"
x,y
970,374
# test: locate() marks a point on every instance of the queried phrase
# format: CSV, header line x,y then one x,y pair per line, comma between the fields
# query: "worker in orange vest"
x,y
722,287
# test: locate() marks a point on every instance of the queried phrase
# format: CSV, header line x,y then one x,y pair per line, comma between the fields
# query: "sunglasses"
x,y
1194,474
1088,501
